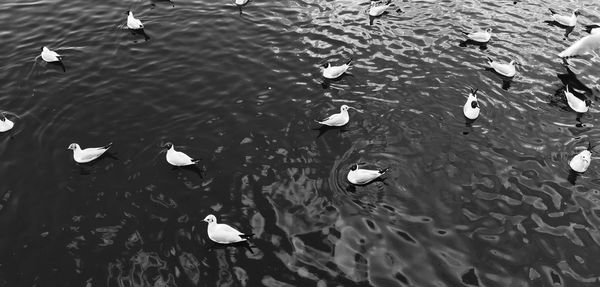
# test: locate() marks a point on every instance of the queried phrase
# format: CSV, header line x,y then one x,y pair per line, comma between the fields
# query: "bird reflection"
x,y
323,129
568,29
58,66
573,175
242,244
465,43
571,80
140,32
193,168
469,125
327,82
506,81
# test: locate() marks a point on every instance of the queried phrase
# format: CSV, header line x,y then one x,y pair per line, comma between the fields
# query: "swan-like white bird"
x,y
50,56
577,104
133,23
178,158
568,21
507,70
339,119
5,124
334,72
471,107
223,233
359,176
480,36
582,46
582,160
241,2
88,154
378,8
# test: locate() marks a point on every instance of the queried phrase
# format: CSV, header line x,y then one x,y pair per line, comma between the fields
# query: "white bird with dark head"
x,y
339,119
50,56
480,36
177,158
565,20
360,176
471,107
88,154
223,233
577,104
132,22
334,72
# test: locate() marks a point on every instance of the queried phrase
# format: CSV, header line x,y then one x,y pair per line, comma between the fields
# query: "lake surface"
x,y
488,203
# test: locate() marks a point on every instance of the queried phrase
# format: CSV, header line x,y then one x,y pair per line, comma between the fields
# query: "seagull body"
x,y
577,104
133,23
584,45
480,36
223,233
507,70
337,120
471,107
178,158
88,154
5,124
361,176
581,161
568,21
378,8
241,2
49,55
334,72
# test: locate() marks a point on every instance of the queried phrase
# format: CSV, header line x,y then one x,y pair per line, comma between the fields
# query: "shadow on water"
x,y
572,177
323,129
193,168
139,32
469,42
468,125
86,168
327,82
244,244
153,3
57,66
569,78
567,29
506,81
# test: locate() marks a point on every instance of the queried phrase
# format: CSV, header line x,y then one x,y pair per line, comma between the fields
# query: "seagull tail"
x,y
383,170
107,146
552,11
247,236
349,61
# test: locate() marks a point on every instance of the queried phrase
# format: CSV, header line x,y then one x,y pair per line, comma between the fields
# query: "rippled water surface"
x,y
489,203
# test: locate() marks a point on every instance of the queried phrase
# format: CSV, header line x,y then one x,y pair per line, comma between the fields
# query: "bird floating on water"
x,y
339,119
377,8
582,46
577,104
223,233
582,160
178,158
132,22
241,2
334,72
471,107
507,70
50,56
480,36
88,154
359,176
5,123
567,21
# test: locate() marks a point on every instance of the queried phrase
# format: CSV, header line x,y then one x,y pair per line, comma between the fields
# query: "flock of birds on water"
x,y
225,234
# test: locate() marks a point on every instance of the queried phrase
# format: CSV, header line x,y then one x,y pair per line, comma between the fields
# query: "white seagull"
x,y
507,70
178,158
577,104
378,8
50,56
361,176
471,107
132,22
339,119
88,154
241,2
5,124
480,36
581,161
334,72
223,233
568,21
584,45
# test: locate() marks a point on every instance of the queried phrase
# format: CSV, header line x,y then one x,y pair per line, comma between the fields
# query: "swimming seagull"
x,y
241,2
339,119
50,56
334,72
471,107
378,8
5,124
568,21
132,22
178,158
584,45
88,154
223,233
507,70
361,176
480,36
581,161
577,104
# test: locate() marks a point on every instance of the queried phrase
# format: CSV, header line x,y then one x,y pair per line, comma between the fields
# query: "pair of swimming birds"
x,y
175,158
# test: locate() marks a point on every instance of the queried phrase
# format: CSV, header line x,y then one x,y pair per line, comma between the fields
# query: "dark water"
x,y
487,204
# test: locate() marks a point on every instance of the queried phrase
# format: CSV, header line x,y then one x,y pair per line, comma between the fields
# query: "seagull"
x,y
88,154
480,36
568,21
339,119
132,22
581,161
360,176
584,45
50,56
592,28
577,104
334,72
223,233
178,158
507,70
471,107
241,2
378,8
5,124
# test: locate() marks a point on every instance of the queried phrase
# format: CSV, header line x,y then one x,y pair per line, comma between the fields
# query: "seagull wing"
x,y
227,234
582,46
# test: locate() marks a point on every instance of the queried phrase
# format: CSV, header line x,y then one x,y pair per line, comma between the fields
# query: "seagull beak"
x,y
360,111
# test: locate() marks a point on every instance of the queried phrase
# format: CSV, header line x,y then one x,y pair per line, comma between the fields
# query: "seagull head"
x,y
168,145
128,12
588,102
326,65
344,108
354,166
44,48
577,12
73,146
474,104
489,30
210,219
